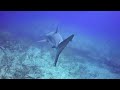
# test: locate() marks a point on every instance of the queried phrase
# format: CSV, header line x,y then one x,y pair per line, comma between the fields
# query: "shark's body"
x,y
56,41
54,38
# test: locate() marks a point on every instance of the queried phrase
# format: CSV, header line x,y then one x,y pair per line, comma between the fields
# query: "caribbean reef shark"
x,y
57,42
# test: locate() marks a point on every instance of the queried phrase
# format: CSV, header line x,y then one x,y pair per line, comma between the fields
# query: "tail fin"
x,y
61,46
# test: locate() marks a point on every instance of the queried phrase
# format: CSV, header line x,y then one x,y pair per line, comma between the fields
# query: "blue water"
x,y
93,53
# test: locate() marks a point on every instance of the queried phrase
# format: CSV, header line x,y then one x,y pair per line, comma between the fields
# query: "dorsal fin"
x,y
56,30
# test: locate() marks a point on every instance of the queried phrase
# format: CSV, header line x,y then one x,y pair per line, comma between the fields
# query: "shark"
x,y
56,41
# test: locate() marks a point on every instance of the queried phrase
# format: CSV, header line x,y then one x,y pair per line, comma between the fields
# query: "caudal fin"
x,y
61,46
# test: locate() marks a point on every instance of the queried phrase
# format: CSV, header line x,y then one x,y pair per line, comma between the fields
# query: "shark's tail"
x,y
61,46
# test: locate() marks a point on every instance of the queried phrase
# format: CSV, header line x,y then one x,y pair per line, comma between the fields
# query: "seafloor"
x,y
22,58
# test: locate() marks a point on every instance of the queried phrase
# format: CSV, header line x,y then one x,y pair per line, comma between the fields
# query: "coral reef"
x,y
22,59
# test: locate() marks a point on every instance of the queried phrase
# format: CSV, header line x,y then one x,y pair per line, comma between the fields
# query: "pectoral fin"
x,y
44,40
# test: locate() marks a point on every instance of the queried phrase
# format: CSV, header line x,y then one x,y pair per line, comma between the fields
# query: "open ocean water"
x,y
93,53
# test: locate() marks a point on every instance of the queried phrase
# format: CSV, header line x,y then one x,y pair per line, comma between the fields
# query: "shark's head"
x,y
54,38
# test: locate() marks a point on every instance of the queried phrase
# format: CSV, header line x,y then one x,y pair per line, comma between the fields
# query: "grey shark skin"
x,y
57,42
53,38
61,46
